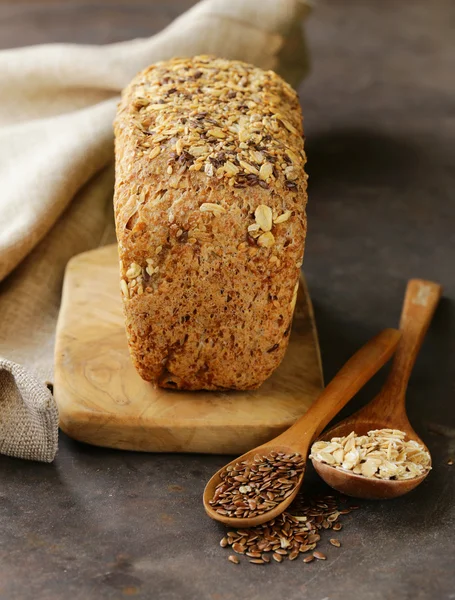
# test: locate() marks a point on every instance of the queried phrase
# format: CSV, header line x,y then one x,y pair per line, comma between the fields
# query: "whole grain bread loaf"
x,y
210,199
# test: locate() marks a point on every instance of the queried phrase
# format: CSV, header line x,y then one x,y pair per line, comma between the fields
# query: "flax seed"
x,y
289,534
277,557
308,559
256,476
238,548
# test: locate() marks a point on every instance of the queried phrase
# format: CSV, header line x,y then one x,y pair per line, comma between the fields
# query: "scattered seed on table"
x,y
257,561
233,559
308,559
277,557
290,534
333,517
335,542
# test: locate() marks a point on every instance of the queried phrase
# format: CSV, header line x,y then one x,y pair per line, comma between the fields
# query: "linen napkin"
x,y
57,104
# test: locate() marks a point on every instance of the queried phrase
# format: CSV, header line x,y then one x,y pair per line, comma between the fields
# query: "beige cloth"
x,y
57,104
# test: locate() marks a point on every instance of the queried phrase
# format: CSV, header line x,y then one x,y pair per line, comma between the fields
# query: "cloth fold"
x,y
29,416
57,104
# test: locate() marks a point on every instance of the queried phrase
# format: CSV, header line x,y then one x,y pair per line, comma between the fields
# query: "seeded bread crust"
x,y
210,199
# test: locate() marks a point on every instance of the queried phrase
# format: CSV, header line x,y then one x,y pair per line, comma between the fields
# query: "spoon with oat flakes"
x,y
260,484
384,445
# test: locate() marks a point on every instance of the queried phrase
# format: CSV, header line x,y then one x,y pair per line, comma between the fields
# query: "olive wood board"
x,y
103,401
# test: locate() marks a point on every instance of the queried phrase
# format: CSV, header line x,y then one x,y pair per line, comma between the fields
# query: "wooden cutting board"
x,y
103,401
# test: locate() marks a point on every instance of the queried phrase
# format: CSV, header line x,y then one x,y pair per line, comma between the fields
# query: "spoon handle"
x,y
346,383
419,305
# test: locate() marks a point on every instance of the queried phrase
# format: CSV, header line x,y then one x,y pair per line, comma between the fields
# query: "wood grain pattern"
x,y
103,401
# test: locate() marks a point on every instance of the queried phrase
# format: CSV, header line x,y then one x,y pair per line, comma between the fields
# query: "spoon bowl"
x,y
298,438
388,409
249,521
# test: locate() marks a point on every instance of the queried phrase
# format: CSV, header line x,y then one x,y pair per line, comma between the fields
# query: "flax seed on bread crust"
x,y
210,199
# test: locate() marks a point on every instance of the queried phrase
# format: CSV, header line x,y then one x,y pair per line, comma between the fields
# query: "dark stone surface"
x,y
379,117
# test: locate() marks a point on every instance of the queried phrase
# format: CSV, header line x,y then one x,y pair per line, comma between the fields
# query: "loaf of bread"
x,y
210,199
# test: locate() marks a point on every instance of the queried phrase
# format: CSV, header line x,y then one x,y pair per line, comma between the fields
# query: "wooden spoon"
x,y
297,439
388,409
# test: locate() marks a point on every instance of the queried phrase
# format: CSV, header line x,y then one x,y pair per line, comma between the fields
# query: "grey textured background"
x,y
379,120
